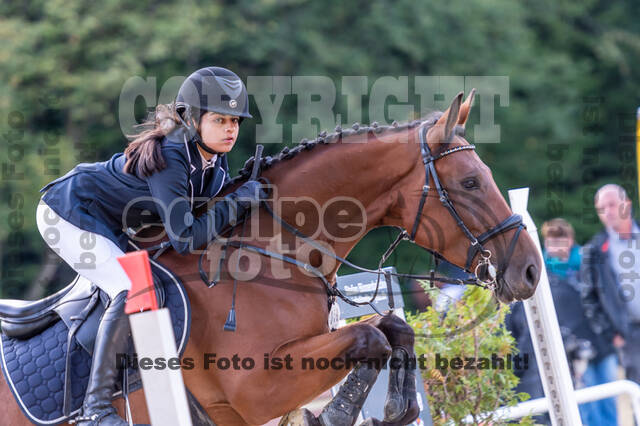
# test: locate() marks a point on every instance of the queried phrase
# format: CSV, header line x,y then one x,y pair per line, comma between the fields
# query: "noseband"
x,y
484,267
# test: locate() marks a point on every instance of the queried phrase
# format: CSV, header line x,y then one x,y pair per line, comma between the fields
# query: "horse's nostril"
x,y
531,275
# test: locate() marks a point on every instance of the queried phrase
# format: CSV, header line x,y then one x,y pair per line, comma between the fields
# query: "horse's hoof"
x,y
394,409
396,403
299,417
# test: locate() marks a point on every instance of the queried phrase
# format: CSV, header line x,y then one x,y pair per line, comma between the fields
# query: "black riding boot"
x,y
112,339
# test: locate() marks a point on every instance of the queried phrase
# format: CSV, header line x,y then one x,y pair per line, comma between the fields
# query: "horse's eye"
x,y
470,183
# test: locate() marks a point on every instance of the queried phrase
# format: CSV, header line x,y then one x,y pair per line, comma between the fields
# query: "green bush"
x,y
472,328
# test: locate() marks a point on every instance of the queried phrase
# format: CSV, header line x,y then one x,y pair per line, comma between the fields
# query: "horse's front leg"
x,y
369,350
288,388
401,405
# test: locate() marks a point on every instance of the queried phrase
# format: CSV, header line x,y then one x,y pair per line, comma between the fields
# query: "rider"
x,y
179,160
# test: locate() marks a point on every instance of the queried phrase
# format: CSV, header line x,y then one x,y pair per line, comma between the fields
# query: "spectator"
x,y
592,359
610,277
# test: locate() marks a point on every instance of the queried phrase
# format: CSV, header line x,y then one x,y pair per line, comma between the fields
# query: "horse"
x,y
421,176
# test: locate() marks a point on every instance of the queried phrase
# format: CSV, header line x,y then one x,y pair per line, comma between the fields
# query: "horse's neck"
x,y
360,174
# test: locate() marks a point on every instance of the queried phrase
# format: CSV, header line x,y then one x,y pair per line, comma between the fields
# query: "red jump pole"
x,y
142,295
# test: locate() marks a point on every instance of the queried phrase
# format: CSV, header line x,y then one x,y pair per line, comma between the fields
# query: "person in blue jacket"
x,y
169,169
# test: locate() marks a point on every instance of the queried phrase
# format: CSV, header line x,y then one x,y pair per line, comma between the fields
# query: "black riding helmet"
x,y
213,89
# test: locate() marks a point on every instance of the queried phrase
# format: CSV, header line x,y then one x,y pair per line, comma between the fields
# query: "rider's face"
x,y
219,132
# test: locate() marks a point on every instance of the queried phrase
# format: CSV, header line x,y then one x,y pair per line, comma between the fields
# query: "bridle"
x,y
484,267
484,275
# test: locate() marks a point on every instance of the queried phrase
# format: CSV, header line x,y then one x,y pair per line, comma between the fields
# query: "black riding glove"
x,y
188,232
232,208
247,196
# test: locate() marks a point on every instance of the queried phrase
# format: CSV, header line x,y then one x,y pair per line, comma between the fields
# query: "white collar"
x,y
206,164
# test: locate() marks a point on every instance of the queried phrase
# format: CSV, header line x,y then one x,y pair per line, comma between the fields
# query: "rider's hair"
x,y
144,154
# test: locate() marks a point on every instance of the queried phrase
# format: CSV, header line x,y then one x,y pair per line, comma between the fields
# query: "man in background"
x,y
592,360
610,272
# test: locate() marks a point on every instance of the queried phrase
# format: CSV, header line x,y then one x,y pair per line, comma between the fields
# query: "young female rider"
x,y
159,177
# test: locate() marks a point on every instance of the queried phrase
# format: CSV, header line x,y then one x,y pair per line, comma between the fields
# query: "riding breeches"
x,y
91,255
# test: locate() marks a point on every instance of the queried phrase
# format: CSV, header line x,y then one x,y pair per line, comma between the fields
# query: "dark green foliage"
x,y
572,68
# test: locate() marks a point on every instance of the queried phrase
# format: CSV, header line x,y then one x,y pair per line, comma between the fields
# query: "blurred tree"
x,y
65,65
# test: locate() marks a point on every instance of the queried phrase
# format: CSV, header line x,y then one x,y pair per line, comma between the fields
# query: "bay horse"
x,y
339,187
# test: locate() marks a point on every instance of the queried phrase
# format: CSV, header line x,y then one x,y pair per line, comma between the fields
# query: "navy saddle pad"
x,y
34,367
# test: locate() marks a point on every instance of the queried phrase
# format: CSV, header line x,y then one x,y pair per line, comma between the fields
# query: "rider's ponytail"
x,y
144,154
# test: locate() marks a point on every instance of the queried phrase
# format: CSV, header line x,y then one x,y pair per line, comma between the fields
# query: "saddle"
x,y
24,319
81,301
46,345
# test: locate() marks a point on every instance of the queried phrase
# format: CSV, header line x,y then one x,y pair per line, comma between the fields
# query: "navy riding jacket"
x,y
102,198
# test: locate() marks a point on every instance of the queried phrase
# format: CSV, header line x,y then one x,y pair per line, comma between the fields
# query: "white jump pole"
x,y
545,333
533,407
153,338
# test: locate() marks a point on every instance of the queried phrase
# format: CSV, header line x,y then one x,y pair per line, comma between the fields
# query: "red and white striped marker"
x,y
154,339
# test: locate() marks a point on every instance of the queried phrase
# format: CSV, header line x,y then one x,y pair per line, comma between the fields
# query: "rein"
x,y
484,267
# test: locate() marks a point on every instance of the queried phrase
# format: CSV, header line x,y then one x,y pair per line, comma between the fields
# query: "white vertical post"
x,y
545,332
163,388
153,338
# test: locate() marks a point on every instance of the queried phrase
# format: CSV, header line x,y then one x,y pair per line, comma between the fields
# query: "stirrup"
x,y
96,418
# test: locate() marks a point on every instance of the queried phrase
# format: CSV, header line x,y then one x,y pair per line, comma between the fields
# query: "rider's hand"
x,y
248,194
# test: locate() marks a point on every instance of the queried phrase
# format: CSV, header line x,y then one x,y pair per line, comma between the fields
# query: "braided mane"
x,y
327,138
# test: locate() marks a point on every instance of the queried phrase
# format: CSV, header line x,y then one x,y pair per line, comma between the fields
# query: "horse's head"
x,y
461,214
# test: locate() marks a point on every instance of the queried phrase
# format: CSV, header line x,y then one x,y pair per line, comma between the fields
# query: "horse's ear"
x,y
465,108
450,116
